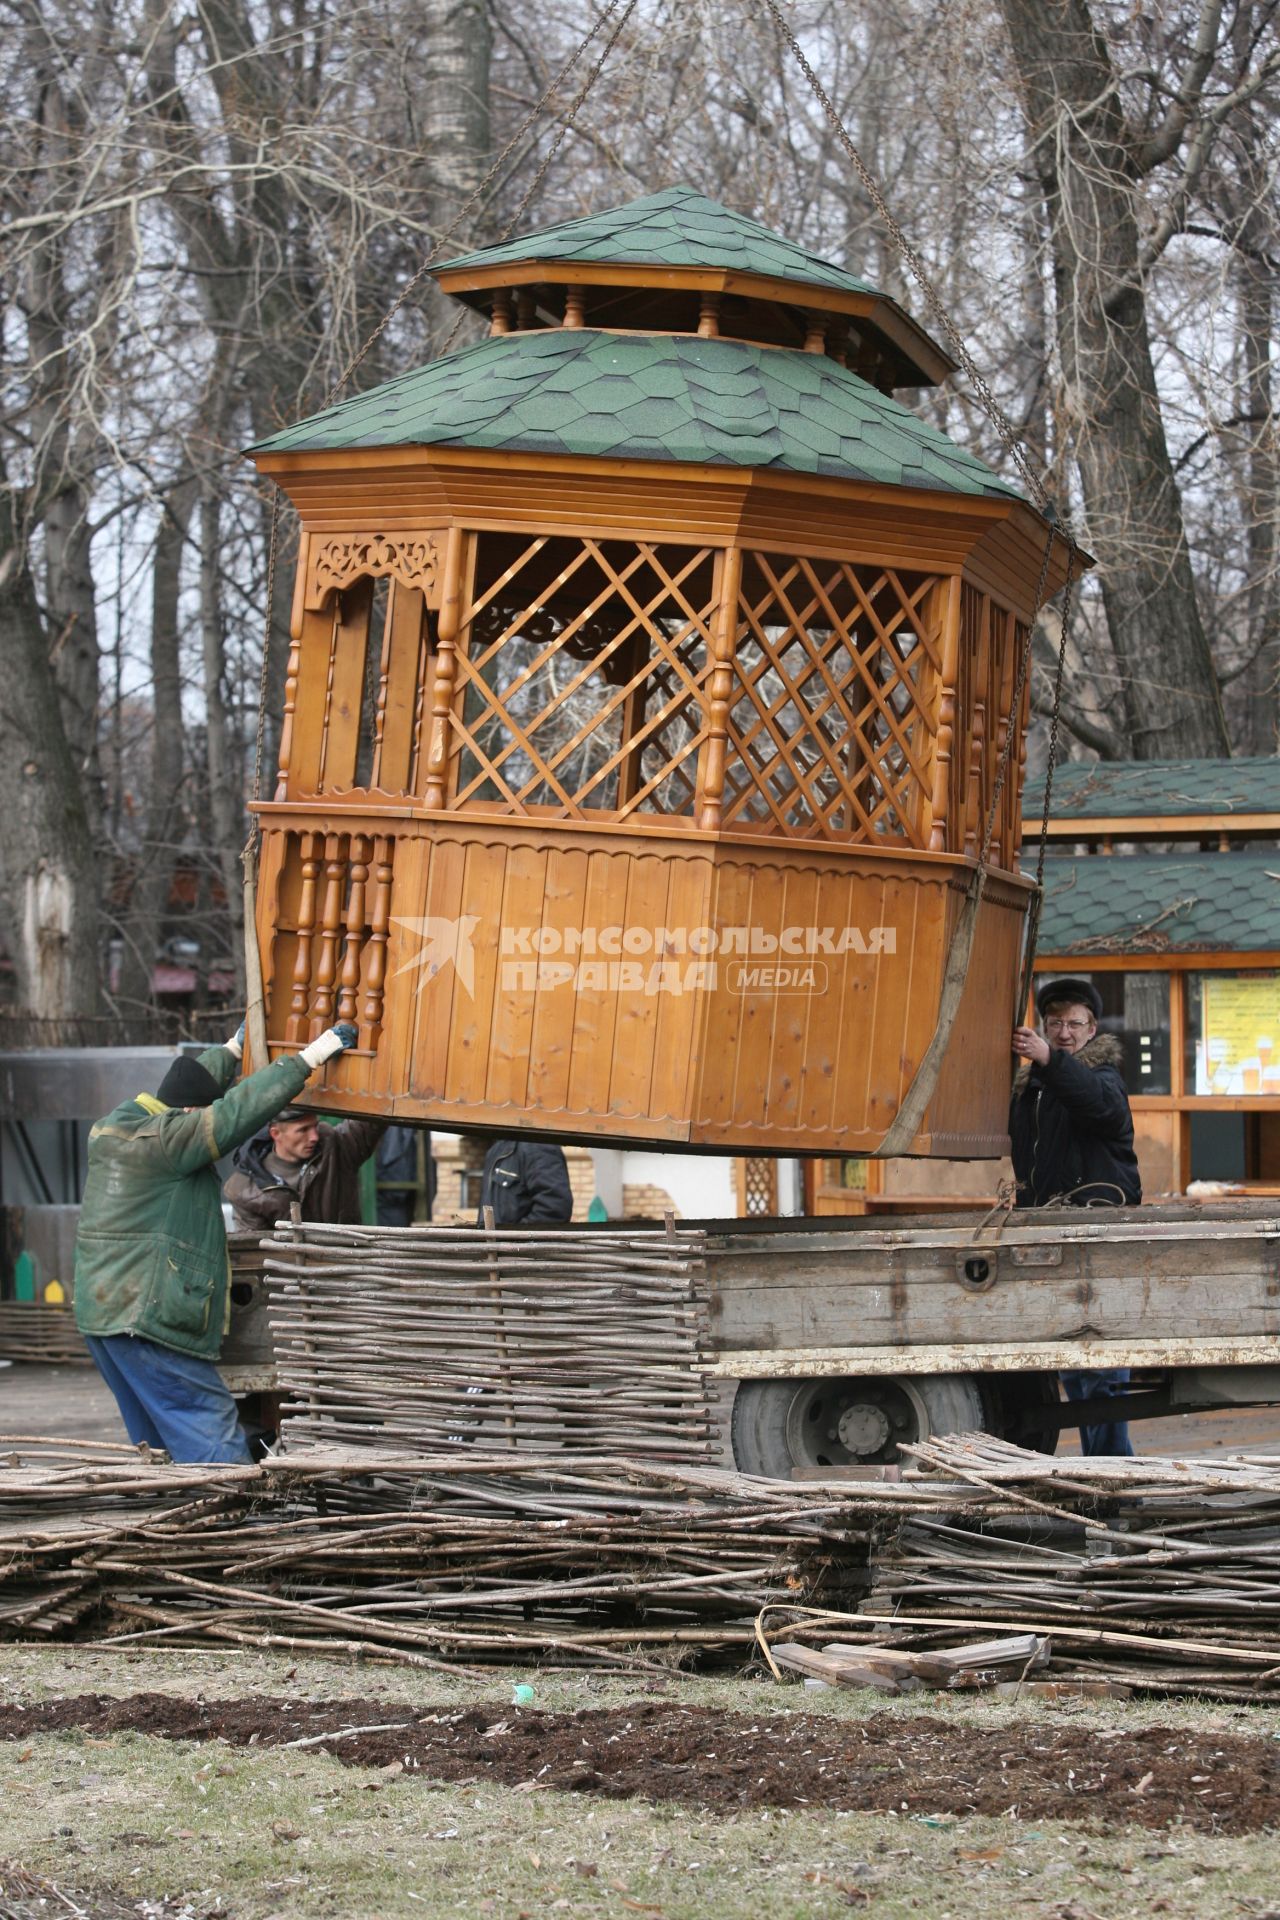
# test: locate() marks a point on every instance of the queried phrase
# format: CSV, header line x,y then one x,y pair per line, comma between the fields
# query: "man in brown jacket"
x,y
295,1158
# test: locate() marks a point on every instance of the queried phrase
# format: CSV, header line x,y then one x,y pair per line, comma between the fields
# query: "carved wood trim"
x,y
414,559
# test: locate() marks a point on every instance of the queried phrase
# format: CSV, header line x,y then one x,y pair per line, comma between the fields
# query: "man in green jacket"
x,y
152,1276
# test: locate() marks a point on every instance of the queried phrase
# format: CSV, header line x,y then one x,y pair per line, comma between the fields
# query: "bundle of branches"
x,y
433,1338
62,1502
1163,1574
437,1560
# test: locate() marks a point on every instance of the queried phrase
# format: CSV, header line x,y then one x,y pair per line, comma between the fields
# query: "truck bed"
x,y
1175,1285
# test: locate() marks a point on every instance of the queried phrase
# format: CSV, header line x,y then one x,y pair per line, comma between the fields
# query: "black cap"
x,y
286,1114
188,1084
1080,993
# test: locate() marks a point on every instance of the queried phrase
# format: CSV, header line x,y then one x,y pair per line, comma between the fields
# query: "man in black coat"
x,y
1071,1136
526,1182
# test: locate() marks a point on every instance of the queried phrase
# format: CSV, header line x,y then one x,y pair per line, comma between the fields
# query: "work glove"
x,y
332,1040
236,1043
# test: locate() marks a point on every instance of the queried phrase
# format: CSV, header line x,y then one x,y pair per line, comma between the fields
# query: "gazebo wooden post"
x,y
940,808
446,671
709,810
297,621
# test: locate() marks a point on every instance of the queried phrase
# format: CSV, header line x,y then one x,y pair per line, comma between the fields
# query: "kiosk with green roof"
x,y
652,665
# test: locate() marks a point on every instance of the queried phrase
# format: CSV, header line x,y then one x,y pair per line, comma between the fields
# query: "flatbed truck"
x,y
835,1343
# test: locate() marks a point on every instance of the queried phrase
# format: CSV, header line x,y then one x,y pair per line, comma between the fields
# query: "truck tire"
x,y
780,1424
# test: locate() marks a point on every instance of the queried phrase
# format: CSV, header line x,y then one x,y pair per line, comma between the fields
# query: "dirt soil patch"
x,y
724,1762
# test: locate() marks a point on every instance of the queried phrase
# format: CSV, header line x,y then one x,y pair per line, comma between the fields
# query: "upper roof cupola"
x,y
676,262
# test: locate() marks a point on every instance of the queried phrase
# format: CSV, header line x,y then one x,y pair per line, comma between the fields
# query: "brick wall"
x,y
646,1202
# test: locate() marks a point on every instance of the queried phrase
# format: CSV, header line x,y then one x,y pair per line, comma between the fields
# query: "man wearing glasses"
x,y
1071,1135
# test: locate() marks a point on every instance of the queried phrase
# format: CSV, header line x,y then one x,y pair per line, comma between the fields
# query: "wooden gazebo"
x,y
650,669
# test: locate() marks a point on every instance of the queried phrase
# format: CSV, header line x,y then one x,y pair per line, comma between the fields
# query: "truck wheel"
x,y
780,1424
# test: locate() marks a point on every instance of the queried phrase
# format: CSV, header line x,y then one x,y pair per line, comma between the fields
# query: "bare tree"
x,y
1092,157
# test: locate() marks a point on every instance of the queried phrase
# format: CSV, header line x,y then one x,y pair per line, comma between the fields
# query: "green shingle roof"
x,y
1146,788
675,228
1156,903
633,396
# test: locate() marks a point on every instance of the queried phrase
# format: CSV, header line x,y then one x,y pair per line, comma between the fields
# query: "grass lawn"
x,y
141,1825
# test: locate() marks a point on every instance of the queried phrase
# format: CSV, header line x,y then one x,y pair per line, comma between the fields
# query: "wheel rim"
x,y
841,1423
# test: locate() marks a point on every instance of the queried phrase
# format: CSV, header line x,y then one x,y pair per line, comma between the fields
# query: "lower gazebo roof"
x,y
589,394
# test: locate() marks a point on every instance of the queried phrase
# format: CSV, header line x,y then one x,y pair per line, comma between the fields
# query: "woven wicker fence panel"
x,y
438,1338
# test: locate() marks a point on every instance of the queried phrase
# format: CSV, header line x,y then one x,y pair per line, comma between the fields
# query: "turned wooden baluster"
x,y
335,873
709,317
940,801
501,321
446,667
375,970
384,680
710,811
575,303
349,991
296,1028
1000,661
979,783
421,707
297,617
975,813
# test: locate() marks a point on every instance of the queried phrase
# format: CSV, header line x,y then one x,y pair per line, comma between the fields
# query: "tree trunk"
x,y
226,795
166,811
1085,158
1262,481
454,77
46,853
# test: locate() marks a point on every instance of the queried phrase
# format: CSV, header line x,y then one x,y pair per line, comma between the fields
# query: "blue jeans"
x,y
170,1400
1114,1436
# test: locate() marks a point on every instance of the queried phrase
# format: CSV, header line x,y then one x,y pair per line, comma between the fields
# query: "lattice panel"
x,y
583,670
758,1187
833,713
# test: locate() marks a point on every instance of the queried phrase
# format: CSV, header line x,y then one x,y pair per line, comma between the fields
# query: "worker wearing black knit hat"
x,y
152,1277
1071,1136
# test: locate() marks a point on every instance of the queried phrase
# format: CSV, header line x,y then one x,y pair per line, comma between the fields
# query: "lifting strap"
x,y
909,1118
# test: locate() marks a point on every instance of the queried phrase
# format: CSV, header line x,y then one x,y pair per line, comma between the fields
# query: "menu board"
x,y
1239,1047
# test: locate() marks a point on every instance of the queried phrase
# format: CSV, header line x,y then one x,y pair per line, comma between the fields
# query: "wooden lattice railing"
x,y
589,680
834,705
582,690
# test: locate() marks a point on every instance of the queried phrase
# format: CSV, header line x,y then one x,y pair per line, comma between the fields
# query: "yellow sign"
x,y
1239,1051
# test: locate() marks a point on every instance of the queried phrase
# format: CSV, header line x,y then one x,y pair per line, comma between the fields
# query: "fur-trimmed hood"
x,y
1104,1050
